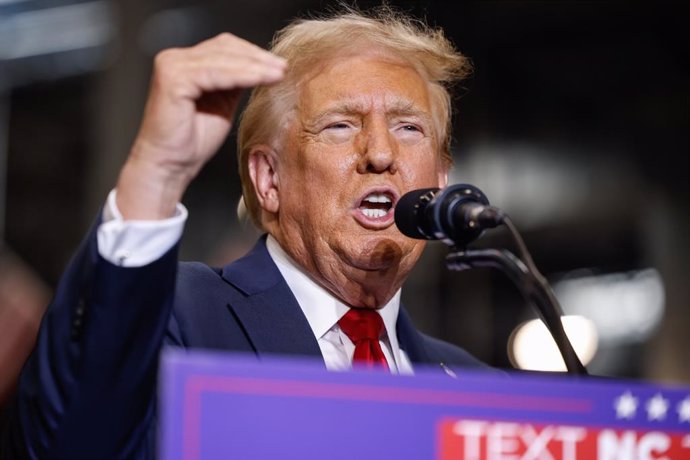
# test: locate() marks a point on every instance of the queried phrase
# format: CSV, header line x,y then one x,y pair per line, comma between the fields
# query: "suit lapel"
x,y
422,350
411,340
414,345
266,308
274,323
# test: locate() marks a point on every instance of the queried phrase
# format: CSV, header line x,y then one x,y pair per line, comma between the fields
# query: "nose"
x,y
379,150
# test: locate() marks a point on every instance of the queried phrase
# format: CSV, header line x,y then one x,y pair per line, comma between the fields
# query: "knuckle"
x,y
226,37
167,72
165,59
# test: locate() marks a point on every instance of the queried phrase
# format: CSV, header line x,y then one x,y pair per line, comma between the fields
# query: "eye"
x,y
409,133
410,129
338,125
409,126
338,132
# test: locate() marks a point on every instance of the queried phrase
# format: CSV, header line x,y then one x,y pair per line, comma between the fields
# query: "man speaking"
x,y
347,114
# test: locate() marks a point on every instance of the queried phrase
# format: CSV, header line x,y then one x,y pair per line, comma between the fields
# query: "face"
x,y
361,136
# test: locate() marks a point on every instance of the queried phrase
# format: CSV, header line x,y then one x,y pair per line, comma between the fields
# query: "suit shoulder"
x,y
452,354
195,280
195,270
200,316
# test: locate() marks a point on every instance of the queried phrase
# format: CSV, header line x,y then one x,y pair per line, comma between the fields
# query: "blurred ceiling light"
x,y
531,346
541,185
57,29
626,307
533,185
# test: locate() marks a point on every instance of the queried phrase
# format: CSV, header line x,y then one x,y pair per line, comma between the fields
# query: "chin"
x,y
377,253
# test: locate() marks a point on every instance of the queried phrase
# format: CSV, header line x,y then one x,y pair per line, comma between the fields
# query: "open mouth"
x,y
377,206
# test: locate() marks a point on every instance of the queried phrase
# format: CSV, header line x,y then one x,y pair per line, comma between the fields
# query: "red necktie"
x,y
364,327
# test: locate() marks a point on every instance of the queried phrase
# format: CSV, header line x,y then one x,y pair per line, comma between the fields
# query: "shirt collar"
x,y
322,309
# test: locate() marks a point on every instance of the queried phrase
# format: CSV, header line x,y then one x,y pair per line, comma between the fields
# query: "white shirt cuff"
x,y
134,243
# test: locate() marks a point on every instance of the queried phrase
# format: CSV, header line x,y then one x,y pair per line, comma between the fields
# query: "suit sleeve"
x,y
88,389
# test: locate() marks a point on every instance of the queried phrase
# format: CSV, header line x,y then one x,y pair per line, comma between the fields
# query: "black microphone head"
x,y
408,212
457,214
453,215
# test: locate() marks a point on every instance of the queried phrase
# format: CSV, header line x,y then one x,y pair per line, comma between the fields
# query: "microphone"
x,y
457,214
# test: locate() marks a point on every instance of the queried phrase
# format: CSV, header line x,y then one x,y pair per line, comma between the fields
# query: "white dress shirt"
x,y
323,310
136,243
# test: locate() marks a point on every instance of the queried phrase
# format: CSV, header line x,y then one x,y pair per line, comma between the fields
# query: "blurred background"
x,y
575,122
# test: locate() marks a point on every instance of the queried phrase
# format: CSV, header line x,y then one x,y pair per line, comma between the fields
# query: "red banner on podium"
x,y
466,439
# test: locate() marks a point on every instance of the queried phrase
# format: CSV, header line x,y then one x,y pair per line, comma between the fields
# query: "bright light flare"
x,y
531,346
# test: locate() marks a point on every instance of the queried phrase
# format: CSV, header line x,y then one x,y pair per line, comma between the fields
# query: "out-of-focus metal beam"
x,y
4,143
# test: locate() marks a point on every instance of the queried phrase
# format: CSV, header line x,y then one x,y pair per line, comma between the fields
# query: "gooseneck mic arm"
x,y
458,215
537,293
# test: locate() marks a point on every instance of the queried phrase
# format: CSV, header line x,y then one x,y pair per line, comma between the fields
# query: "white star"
x,y
657,407
626,405
684,410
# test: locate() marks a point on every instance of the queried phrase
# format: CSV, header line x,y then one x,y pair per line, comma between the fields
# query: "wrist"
x,y
147,190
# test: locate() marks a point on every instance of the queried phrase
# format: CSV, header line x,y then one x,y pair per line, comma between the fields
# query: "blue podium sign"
x,y
220,406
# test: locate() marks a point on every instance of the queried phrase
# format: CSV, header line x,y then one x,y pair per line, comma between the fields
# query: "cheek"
x,y
423,169
316,183
330,167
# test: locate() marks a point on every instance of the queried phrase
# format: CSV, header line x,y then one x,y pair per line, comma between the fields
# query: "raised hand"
x,y
191,104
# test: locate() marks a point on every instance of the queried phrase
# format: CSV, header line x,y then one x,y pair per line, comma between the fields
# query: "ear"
x,y
263,162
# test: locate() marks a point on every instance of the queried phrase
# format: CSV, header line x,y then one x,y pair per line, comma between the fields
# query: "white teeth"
x,y
374,213
376,205
378,198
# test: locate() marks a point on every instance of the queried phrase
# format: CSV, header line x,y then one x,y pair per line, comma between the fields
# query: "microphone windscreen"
x,y
409,210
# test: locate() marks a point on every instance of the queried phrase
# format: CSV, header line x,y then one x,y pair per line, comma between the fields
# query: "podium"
x,y
223,406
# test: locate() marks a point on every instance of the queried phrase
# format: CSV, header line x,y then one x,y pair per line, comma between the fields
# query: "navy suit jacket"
x,y
89,388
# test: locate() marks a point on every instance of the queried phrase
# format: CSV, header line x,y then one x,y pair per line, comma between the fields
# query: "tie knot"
x,y
362,324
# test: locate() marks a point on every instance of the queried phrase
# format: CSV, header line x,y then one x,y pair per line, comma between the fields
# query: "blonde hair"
x,y
306,42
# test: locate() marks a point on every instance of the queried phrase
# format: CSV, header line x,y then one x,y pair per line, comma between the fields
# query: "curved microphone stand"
x,y
529,281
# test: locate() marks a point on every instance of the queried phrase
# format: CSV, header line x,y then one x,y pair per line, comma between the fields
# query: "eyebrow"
x,y
351,107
